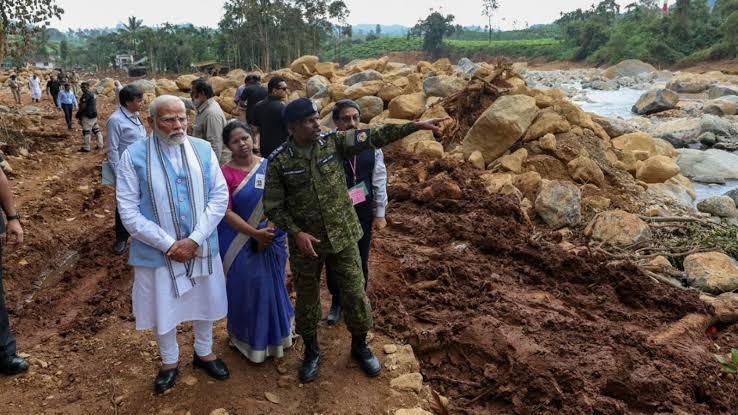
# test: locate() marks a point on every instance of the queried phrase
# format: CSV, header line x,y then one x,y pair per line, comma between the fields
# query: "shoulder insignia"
x,y
362,135
277,151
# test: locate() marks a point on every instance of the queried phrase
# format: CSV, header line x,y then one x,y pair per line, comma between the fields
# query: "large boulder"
x,y
147,86
614,127
672,193
370,75
467,66
547,122
442,85
220,84
304,65
371,107
363,89
722,206
238,75
390,91
688,83
430,149
407,107
166,87
105,87
719,91
713,272
317,85
585,170
655,100
696,163
630,68
184,82
327,69
684,131
559,203
721,107
635,142
619,228
500,126
657,169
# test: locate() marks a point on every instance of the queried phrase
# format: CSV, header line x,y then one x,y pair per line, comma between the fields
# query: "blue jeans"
x,y
68,114
7,340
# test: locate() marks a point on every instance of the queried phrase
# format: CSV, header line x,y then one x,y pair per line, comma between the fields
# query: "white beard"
x,y
171,140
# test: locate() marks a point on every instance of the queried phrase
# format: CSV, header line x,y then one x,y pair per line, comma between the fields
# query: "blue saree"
x,y
259,309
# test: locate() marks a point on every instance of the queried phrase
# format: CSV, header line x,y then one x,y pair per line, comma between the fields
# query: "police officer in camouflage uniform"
x,y
306,196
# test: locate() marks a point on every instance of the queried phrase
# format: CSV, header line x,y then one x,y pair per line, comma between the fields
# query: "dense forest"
x,y
269,34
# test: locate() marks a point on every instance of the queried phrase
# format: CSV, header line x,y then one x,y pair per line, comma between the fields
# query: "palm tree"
x,y
131,31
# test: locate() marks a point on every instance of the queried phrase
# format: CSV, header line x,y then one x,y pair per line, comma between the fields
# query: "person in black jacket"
x,y
267,117
87,115
367,171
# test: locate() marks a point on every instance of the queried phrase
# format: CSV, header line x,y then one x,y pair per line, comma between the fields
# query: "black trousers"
x,y
121,234
68,113
365,243
7,340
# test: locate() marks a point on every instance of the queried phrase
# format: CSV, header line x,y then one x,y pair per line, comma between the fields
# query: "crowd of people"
x,y
219,213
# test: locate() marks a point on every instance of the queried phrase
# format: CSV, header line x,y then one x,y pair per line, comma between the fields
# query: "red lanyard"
x,y
353,168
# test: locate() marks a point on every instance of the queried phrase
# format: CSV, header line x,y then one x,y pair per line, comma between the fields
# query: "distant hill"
x,y
389,30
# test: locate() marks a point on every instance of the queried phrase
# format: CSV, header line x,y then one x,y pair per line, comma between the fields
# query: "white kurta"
x,y
155,304
35,86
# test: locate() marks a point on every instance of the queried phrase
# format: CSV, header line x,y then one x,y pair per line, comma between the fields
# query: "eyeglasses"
x,y
173,120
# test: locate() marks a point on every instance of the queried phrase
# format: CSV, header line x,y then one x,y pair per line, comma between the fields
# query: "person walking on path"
x,y
365,169
67,102
34,85
53,87
210,119
10,362
15,88
87,115
124,128
171,196
306,196
272,130
254,256
253,93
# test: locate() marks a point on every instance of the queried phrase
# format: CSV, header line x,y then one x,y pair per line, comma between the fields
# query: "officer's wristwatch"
x,y
17,217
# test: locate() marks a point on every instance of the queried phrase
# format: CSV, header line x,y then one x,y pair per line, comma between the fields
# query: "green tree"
x,y
131,31
64,50
489,7
433,29
21,21
378,29
730,32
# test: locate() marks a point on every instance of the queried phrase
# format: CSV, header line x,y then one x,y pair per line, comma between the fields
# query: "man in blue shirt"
x,y
124,128
67,102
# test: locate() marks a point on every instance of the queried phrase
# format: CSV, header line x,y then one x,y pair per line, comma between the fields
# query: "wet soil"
x,y
506,321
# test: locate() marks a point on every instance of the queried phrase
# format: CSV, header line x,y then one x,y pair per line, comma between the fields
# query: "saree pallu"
x,y
260,313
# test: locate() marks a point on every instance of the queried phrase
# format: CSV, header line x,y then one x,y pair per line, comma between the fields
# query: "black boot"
x,y
119,247
165,379
309,370
12,365
334,315
361,353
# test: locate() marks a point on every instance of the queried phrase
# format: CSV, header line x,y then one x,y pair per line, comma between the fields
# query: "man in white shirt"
x,y
171,196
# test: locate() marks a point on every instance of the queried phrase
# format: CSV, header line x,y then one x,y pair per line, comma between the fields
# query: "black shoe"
x,y
334,315
166,379
361,353
84,150
12,365
309,369
119,247
217,368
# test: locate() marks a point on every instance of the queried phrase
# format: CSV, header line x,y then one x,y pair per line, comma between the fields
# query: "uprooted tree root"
x,y
674,238
467,105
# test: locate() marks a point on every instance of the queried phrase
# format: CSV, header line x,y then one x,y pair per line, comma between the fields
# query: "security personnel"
x,y
306,196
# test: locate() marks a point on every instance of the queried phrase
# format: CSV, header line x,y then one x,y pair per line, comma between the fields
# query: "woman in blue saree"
x,y
254,256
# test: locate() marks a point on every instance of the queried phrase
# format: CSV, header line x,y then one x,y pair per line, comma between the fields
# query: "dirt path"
x,y
70,308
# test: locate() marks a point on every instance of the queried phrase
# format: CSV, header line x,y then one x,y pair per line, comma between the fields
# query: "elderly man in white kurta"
x,y
171,196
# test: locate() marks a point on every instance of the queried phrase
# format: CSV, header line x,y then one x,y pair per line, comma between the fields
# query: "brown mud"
x,y
506,321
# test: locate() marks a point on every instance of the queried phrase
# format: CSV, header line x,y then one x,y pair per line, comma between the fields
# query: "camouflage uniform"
x,y
309,195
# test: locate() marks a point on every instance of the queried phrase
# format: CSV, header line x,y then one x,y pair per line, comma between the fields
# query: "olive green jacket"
x,y
310,195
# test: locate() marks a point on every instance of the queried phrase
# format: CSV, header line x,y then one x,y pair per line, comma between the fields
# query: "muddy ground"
x,y
502,318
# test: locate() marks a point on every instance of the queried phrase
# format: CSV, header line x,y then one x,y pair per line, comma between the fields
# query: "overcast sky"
x,y
108,13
